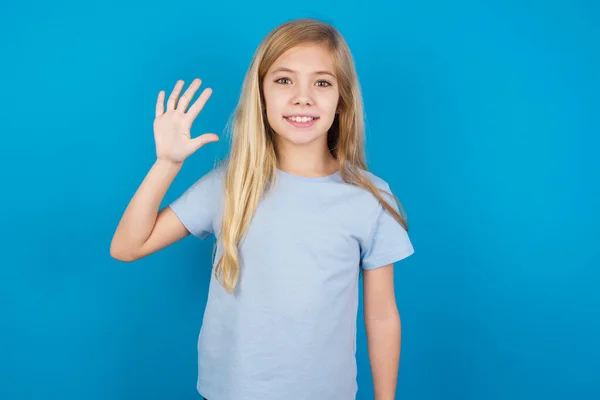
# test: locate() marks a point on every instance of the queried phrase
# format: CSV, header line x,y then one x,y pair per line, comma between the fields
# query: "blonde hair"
x,y
252,163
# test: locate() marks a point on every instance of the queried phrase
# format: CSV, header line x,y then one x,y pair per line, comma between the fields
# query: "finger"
x,y
184,101
174,95
201,140
199,104
160,103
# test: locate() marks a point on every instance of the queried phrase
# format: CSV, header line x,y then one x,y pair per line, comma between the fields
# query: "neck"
x,y
308,161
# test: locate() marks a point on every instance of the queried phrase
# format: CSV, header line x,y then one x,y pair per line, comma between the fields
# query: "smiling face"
x,y
301,96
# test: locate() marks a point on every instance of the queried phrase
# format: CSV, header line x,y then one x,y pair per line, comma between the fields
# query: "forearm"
x,y
139,217
384,338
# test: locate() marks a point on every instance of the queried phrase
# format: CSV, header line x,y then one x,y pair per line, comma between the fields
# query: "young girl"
x,y
297,218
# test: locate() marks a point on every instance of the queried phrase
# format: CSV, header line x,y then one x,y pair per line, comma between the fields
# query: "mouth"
x,y
302,121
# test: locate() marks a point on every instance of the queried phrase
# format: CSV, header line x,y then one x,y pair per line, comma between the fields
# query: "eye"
x,y
323,83
280,80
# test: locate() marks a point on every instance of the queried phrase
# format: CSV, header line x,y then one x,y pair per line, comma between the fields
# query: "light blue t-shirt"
x,y
289,330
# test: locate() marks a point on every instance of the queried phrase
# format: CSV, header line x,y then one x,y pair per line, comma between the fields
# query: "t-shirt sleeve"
x,y
388,241
196,207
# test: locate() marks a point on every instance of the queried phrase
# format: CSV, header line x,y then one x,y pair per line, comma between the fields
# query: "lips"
x,y
302,121
301,118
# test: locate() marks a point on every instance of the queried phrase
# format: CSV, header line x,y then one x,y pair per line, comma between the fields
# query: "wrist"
x,y
161,162
167,168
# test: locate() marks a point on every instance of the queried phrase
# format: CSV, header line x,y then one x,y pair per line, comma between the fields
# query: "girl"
x,y
297,218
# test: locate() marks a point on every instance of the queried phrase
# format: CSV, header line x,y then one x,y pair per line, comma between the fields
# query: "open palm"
x,y
172,126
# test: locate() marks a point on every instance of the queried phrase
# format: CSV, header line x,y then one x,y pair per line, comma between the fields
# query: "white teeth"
x,y
301,119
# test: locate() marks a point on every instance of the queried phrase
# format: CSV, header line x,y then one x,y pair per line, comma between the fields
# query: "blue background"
x,y
483,117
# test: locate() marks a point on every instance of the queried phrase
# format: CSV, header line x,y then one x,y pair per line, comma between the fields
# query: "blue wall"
x,y
483,118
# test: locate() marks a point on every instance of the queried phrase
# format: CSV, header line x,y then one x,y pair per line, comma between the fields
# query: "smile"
x,y
302,121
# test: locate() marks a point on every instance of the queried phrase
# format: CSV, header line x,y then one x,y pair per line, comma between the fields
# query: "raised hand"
x,y
172,127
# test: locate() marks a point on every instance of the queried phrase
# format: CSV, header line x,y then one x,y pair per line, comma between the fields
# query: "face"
x,y
301,95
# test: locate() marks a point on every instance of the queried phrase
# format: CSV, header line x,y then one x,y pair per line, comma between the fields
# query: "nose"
x,y
303,96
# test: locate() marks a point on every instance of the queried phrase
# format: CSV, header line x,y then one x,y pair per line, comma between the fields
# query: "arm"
x,y
142,229
383,327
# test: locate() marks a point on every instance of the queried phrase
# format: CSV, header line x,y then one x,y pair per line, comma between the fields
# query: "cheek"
x,y
273,111
272,103
332,104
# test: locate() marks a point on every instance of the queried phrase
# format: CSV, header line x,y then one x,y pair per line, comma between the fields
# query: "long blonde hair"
x,y
252,163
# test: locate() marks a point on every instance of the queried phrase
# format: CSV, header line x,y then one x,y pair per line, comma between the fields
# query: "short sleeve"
x,y
196,207
388,241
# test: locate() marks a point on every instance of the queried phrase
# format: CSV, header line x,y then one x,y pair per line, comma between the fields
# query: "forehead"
x,y
306,58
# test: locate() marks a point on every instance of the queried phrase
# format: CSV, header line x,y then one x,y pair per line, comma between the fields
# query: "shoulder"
x,y
380,184
206,188
214,179
217,173
376,180
384,189
358,196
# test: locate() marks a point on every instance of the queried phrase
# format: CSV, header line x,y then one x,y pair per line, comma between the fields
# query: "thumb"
x,y
201,140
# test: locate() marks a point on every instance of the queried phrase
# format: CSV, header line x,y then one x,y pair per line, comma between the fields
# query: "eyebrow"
x,y
284,69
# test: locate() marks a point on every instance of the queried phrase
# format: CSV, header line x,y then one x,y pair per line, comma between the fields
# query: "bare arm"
x,y
382,323
142,229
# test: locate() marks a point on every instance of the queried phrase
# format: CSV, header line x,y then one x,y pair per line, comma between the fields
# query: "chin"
x,y
299,139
